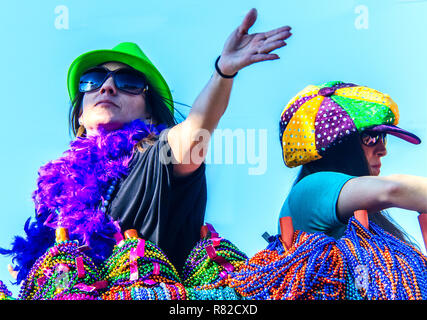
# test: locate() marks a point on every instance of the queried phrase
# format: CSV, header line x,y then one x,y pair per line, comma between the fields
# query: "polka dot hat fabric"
x,y
319,117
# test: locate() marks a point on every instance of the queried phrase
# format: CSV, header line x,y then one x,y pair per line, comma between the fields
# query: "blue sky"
x,y
377,43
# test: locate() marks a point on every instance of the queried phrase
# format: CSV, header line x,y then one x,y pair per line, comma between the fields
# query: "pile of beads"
x,y
380,266
5,294
140,290
222,293
62,273
138,269
311,269
207,268
363,264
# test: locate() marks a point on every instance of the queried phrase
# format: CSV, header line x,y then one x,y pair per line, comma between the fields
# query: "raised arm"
x,y
189,139
374,194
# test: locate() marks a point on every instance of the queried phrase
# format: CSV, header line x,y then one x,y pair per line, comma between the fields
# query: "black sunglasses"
x,y
371,138
125,79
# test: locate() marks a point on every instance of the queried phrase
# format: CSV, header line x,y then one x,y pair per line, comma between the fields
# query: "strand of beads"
x,y
141,291
311,269
5,294
62,273
201,268
109,194
392,269
221,293
410,259
206,269
138,269
364,264
357,246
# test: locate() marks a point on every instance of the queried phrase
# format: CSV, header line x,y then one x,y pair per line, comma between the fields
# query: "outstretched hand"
x,y
242,49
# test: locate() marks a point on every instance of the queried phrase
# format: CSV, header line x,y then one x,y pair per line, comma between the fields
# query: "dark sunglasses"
x,y
370,138
125,79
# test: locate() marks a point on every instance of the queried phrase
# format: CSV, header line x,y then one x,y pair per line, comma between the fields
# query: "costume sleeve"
x,y
312,202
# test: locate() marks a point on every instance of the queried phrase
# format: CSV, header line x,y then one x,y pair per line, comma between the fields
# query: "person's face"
x,y
108,108
373,156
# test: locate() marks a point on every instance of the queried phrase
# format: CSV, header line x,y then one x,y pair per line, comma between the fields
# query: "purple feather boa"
x,y
70,189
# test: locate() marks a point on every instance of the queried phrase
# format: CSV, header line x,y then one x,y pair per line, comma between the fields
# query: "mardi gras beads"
x,y
394,270
410,263
312,268
5,294
134,258
139,270
407,266
63,272
207,267
221,293
357,246
211,260
141,291
366,263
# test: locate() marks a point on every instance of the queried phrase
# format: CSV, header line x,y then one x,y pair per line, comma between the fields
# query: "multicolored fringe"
x,y
363,264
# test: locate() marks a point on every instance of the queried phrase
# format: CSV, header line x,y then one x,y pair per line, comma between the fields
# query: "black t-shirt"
x,y
164,209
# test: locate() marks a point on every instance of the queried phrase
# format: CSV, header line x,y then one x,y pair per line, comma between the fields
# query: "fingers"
x,y
279,36
276,31
268,47
248,21
263,57
274,39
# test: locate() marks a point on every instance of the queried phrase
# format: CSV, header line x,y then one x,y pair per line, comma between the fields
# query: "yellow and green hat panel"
x,y
318,117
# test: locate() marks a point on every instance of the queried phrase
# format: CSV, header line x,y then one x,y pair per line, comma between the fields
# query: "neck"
x,y
105,128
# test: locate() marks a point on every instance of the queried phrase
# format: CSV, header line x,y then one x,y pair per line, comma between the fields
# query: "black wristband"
x,y
226,76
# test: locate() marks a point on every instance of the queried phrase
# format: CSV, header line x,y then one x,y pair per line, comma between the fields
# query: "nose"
x,y
380,149
108,87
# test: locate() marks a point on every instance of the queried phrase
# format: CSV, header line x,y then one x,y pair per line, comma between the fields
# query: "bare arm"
x,y
374,194
189,139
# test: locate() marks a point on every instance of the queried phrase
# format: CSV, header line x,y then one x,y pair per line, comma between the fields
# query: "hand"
x,y
242,49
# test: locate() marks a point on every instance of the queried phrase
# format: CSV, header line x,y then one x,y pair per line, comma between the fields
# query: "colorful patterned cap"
x,y
319,117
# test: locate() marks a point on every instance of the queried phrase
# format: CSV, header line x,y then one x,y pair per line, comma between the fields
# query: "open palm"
x,y
242,49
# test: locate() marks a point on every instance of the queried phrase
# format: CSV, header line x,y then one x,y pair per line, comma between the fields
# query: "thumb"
x,y
248,21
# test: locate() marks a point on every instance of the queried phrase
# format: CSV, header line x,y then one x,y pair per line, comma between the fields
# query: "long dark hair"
x,y
349,158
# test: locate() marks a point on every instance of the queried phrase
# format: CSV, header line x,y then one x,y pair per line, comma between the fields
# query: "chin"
x,y
375,172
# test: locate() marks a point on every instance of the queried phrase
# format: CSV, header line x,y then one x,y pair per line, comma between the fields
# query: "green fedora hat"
x,y
125,52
